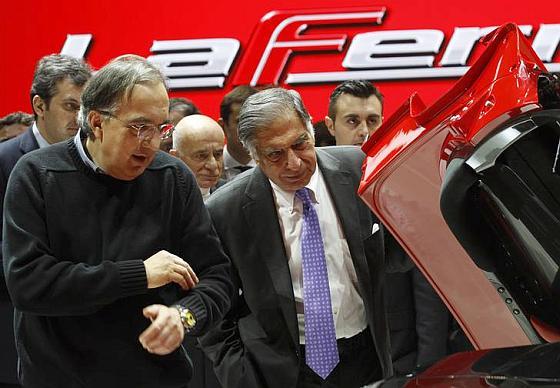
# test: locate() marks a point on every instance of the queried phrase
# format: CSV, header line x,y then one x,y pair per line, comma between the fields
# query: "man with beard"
x,y
110,256
55,98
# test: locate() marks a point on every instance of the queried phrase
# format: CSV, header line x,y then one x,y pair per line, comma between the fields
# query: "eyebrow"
x,y
143,119
352,115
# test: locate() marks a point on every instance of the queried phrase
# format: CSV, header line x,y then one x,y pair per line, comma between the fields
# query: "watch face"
x,y
190,320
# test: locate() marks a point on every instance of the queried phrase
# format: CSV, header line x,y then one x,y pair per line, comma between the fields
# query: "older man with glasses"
x,y
109,253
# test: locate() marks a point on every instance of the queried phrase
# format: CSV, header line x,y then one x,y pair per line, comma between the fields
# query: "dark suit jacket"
x,y
257,345
10,152
418,321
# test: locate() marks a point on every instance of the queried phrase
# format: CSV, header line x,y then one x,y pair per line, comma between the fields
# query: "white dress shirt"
x,y
347,304
205,193
40,139
231,165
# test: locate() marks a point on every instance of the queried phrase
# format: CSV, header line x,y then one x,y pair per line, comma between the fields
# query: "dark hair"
x,y
237,95
113,83
323,137
16,118
54,68
356,88
549,90
185,106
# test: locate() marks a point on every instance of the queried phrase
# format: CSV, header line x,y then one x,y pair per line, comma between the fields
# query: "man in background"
x,y
236,157
418,319
323,138
355,112
199,142
179,107
14,124
55,93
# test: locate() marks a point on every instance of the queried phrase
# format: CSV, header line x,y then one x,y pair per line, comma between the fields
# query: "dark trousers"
x,y
203,372
358,365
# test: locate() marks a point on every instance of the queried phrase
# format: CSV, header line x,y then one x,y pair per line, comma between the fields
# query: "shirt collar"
x,y
83,154
231,162
287,198
41,141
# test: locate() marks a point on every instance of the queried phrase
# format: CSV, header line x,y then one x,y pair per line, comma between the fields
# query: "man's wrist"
x,y
188,319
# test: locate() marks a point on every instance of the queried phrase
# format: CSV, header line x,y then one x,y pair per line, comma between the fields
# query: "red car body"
x,y
430,170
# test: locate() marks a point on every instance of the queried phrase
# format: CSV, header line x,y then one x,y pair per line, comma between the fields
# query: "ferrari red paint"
x,y
408,156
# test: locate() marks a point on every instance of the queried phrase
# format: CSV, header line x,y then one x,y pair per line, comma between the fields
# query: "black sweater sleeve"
x,y
201,248
39,282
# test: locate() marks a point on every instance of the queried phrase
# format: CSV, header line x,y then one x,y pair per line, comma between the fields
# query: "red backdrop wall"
x,y
31,29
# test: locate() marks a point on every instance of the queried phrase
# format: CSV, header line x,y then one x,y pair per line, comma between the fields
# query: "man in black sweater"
x,y
110,256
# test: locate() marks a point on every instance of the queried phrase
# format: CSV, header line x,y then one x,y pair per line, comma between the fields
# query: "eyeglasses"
x,y
276,155
145,131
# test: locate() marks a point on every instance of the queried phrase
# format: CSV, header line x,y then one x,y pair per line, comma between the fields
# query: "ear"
x,y
95,120
330,125
223,125
39,106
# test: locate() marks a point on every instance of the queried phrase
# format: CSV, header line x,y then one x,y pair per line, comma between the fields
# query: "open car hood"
x,y
468,189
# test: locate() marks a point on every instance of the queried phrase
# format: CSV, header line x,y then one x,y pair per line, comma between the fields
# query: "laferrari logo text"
x,y
282,36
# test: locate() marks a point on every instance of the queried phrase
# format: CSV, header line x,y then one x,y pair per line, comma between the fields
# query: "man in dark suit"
x,y
418,319
308,257
55,98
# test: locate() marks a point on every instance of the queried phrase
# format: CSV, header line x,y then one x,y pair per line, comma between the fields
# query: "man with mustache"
x,y
57,85
199,142
110,256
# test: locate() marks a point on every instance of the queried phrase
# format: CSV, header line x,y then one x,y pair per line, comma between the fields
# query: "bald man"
x,y
199,142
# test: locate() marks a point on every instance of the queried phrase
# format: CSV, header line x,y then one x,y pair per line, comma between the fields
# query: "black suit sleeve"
x,y
396,259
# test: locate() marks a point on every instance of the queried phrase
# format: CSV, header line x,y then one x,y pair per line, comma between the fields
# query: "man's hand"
x,y
164,268
166,332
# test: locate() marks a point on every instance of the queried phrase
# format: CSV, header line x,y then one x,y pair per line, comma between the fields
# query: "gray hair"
x,y
54,68
113,84
261,109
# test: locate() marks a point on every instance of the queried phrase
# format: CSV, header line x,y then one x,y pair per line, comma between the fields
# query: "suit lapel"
x,y
27,141
260,212
339,183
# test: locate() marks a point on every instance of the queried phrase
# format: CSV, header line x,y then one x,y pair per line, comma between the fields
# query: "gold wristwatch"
x,y
187,317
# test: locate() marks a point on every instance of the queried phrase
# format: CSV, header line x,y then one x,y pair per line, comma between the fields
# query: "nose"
x,y
151,141
363,130
211,164
293,162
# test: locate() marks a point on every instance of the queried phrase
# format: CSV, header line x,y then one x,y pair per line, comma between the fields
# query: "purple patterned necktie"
x,y
321,351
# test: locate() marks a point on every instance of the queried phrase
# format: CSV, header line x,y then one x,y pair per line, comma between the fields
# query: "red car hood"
x,y
406,163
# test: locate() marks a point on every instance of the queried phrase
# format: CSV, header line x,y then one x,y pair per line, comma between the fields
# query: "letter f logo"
x,y
281,33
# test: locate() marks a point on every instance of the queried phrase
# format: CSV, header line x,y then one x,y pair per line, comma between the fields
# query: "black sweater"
x,y
74,245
